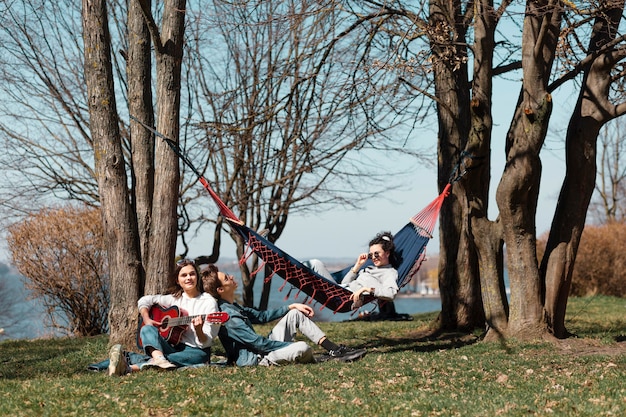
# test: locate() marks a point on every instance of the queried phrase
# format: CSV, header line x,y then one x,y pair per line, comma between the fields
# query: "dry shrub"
x,y
600,262
61,254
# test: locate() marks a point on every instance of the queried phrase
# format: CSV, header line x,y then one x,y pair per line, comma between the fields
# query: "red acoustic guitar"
x,y
173,324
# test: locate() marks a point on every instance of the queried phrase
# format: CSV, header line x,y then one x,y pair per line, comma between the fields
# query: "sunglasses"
x,y
374,255
185,261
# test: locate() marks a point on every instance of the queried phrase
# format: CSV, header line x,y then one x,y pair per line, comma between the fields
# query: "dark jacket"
x,y
242,344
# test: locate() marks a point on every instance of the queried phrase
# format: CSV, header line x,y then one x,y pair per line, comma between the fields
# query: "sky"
x,y
344,234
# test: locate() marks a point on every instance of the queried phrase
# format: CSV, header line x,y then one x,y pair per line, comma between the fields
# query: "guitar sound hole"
x,y
164,322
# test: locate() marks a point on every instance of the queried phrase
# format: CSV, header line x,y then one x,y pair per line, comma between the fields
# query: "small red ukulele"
x,y
173,324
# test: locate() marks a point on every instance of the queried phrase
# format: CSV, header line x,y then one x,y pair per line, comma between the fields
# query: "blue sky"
x,y
342,233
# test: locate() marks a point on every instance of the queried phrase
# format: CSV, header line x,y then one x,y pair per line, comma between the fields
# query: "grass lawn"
x,y
403,374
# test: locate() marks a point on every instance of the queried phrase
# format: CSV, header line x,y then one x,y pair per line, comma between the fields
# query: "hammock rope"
x,y
425,220
410,244
225,211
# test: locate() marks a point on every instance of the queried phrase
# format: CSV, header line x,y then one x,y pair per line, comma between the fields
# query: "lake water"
x,y
23,318
27,317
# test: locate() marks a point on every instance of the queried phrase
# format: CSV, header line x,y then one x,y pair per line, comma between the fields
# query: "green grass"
x,y
403,374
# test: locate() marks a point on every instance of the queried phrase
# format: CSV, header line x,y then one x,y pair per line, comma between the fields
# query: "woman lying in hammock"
x,y
379,279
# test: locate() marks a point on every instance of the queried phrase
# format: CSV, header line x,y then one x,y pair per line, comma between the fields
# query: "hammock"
x,y
410,243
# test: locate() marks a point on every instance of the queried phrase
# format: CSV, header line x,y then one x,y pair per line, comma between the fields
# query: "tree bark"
x,y
458,275
168,46
138,69
593,109
518,189
117,216
486,235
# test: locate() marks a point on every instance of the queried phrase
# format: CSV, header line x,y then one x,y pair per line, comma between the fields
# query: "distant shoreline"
x,y
416,295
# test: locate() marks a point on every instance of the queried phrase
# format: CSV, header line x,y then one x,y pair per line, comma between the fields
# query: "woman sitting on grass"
x,y
194,346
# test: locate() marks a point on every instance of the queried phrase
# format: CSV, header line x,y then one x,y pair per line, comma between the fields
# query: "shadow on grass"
x,y
428,342
25,359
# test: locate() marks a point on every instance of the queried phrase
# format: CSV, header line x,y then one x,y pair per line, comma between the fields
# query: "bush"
x,y
61,254
600,262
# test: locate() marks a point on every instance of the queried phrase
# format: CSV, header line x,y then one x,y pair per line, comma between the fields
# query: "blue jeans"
x,y
179,355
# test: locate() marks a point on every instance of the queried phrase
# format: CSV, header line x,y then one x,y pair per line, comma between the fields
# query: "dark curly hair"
x,y
385,240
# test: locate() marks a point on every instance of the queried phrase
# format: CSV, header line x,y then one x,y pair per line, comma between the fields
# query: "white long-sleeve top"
x,y
383,279
200,305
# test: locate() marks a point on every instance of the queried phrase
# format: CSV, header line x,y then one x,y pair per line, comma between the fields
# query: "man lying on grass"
x,y
245,347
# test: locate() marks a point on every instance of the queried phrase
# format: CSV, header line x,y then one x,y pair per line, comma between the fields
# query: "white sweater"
x,y
384,280
200,305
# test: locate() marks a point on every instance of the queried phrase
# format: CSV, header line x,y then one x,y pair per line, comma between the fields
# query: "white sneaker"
x,y
117,362
160,362
147,365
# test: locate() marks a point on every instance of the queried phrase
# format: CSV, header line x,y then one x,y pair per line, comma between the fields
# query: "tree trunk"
x,y
569,219
163,235
138,69
118,218
593,109
486,236
518,190
493,291
458,279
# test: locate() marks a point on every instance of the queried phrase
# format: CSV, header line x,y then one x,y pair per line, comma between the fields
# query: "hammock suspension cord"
x,y
326,292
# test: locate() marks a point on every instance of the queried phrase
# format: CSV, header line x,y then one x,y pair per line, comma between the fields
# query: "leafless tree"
x,y
51,151
438,41
600,100
290,123
305,85
47,146
548,43
119,215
